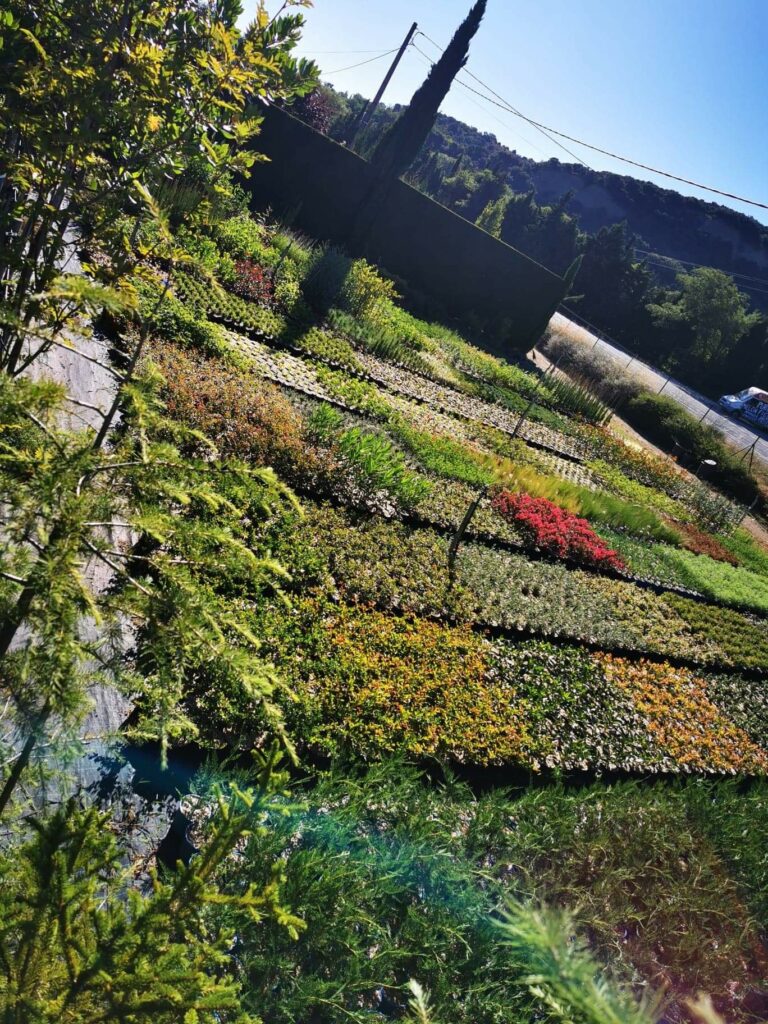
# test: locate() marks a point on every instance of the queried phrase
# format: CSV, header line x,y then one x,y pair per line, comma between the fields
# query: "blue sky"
x,y
677,84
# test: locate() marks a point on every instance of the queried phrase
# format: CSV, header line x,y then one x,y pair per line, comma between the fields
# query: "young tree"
x,y
139,100
492,217
81,943
101,109
400,145
712,308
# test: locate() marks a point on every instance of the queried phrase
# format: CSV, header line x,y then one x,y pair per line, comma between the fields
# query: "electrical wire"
x,y
692,263
605,152
752,288
326,52
489,100
370,60
430,63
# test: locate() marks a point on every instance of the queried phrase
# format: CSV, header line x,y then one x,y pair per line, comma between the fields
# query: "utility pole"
x,y
368,110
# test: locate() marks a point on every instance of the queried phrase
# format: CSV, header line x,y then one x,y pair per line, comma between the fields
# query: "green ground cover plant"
x,y
408,573
574,718
733,585
358,394
747,550
327,346
512,592
647,560
744,701
741,638
396,880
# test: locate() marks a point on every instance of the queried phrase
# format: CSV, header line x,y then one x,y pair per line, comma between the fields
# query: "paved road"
x,y
738,433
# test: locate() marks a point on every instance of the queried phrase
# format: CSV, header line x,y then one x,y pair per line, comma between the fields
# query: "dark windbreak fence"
x,y
440,260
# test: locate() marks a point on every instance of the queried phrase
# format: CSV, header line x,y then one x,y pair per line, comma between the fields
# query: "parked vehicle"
x,y
750,404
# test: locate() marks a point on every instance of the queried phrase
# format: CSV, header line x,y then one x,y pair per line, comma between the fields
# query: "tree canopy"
x,y
712,308
400,146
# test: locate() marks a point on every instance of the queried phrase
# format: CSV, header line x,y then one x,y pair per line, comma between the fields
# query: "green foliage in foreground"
x,y
81,944
399,879
176,532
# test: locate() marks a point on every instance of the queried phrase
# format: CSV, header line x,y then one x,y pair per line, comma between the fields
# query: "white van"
x,y
750,404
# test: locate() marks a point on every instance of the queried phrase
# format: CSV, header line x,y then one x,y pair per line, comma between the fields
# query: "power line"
x,y
370,60
606,152
503,106
693,263
430,63
317,53
749,287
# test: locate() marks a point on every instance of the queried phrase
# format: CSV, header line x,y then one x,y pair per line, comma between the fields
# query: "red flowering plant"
x,y
253,282
553,530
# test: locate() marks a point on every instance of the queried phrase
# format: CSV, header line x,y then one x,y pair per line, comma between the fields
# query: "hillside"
x,y
682,227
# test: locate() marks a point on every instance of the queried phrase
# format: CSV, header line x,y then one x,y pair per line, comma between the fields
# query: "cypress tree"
x,y
401,143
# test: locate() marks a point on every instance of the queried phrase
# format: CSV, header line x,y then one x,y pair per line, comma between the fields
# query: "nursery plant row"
x,y
377,683
574,442
509,593
262,324
292,371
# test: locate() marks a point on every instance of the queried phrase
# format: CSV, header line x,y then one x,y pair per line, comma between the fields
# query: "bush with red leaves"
x,y
555,531
253,282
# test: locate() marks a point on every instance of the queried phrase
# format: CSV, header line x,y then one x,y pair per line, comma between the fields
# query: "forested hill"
x,y
664,221
683,227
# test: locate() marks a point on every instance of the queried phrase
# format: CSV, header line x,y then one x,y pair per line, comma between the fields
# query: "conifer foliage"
x,y
400,145
80,942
